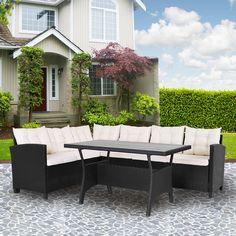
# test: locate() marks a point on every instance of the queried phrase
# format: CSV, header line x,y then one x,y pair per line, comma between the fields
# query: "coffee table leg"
x,y
150,197
82,190
109,189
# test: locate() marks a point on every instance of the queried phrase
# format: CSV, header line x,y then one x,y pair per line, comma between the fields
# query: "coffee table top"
x,y
130,147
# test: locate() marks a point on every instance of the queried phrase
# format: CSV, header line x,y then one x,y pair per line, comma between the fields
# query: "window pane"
x,y
53,83
108,87
97,24
36,18
109,4
110,19
95,82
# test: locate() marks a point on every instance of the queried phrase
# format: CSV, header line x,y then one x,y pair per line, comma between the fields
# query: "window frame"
x,y
91,39
102,94
21,30
56,98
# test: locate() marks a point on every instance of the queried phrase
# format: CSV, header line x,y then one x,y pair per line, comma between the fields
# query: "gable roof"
x,y
8,41
5,44
45,34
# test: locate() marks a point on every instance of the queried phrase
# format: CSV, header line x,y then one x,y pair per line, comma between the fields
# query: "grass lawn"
x,y
4,149
229,140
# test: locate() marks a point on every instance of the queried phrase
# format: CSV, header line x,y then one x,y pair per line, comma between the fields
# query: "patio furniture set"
x,y
153,159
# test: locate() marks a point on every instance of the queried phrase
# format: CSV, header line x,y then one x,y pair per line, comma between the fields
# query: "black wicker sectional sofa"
x,y
41,163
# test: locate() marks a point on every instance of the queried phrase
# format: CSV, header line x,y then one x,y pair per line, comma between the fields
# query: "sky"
x,y
194,40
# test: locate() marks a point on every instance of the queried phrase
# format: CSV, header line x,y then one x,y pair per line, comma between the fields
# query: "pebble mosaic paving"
x,y
122,213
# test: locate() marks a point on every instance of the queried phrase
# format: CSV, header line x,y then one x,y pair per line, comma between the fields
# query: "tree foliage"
x,y
80,82
5,10
30,64
122,65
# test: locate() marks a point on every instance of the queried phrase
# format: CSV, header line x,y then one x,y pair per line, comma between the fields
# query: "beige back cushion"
x,y
134,133
172,135
36,135
200,140
106,132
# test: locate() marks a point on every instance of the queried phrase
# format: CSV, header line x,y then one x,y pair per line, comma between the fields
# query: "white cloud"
x,y
209,49
167,58
167,34
154,13
179,16
232,2
224,63
191,58
217,40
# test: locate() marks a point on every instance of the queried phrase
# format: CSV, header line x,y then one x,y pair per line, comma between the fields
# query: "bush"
x,y
144,105
198,108
98,113
34,124
5,104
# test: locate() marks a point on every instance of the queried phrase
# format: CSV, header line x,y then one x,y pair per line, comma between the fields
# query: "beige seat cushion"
x,y
200,140
180,158
127,155
197,160
69,156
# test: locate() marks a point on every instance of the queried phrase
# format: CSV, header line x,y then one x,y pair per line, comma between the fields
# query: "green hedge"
x,y
198,108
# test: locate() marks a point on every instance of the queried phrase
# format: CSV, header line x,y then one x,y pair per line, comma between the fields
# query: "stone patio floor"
x,y
122,213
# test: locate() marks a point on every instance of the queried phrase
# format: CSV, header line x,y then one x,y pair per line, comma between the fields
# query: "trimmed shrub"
x,y
144,105
98,113
198,108
30,125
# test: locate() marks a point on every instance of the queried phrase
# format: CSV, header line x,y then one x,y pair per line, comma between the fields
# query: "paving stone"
x,y
122,213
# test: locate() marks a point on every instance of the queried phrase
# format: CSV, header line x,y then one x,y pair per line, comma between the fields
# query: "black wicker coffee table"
x,y
127,173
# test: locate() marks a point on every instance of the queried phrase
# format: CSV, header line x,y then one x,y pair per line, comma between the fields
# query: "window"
x,y
0,72
37,19
54,84
101,86
103,20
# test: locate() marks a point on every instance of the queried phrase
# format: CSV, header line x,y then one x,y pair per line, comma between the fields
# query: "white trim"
x,y
133,28
117,23
140,4
1,73
13,26
9,47
56,98
45,35
33,6
71,20
43,2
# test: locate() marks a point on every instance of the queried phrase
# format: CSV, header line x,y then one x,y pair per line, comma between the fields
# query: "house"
x,y
62,28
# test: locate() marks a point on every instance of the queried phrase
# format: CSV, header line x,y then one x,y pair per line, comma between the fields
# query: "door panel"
x,y
43,106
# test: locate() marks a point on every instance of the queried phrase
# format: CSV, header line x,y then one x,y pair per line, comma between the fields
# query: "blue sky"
x,y
195,41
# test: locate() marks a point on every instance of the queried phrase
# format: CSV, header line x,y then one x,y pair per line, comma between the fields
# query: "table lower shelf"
x,y
130,175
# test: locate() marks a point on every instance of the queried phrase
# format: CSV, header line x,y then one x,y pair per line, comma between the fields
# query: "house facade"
x,y
62,28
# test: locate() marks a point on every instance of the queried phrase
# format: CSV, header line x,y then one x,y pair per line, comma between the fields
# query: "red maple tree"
x,y
122,65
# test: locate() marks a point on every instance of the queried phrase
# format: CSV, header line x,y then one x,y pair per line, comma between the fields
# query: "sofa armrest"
x,y
216,166
29,166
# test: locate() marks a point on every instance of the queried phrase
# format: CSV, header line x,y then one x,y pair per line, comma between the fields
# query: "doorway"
x,y
43,106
